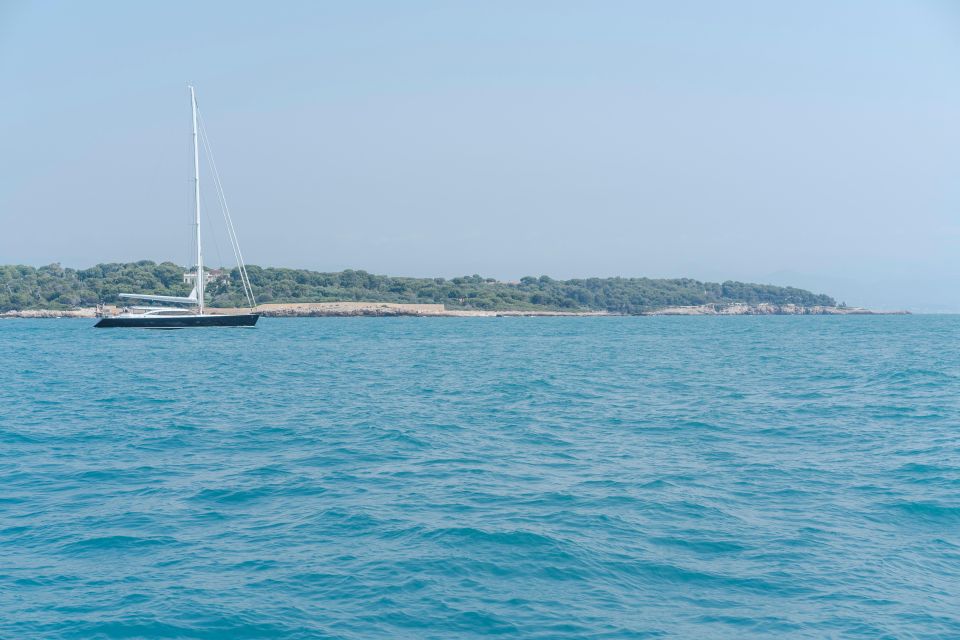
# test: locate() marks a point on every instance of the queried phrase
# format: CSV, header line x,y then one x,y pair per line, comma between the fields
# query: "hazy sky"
x,y
814,143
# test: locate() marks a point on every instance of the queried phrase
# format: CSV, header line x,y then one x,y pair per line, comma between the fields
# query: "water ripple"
x,y
436,478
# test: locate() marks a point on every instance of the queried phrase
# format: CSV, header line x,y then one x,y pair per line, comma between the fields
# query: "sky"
x,y
814,144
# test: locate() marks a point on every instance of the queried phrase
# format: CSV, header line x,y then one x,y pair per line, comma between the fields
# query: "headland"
x,y
387,309
54,291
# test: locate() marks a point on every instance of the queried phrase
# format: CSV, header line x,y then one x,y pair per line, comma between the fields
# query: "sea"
x,y
594,477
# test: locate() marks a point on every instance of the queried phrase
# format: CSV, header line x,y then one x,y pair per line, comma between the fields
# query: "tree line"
x,y
56,287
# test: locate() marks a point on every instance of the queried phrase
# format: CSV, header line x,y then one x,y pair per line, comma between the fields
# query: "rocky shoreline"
x,y
767,309
376,309
86,312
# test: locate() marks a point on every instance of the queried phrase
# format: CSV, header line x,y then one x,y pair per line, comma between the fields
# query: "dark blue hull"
x,y
180,322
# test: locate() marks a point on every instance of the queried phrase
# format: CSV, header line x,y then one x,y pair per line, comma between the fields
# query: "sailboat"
x,y
153,317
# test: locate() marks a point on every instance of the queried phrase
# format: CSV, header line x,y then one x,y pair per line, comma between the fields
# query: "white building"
x,y
214,275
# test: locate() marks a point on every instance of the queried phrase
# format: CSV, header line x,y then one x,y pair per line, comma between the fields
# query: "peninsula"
x,y
56,291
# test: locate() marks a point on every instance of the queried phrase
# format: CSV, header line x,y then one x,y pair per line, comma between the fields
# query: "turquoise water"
x,y
522,477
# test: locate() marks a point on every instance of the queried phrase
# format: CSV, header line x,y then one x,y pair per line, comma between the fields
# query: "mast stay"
x,y
227,218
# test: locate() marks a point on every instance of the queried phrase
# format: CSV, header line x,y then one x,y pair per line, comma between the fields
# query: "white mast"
x,y
196,196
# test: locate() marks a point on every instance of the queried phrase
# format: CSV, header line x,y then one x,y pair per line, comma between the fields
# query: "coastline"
x,y
769,309
388,309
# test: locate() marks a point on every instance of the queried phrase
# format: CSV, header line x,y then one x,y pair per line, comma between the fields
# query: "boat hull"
x,y
179,322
